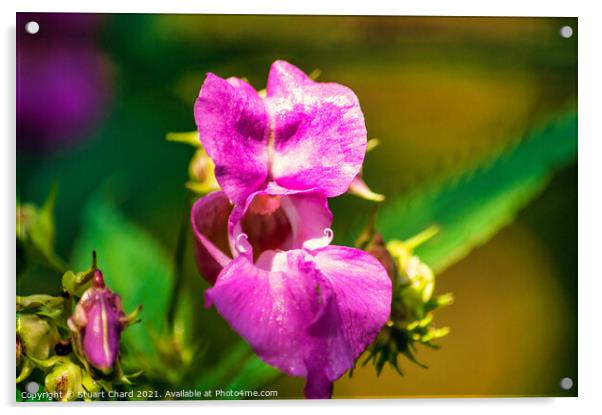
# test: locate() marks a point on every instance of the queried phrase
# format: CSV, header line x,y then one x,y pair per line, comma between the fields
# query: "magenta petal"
x,y
242,85
317,386
357,303
306,315
233,128
270,309
209,218
319,131
363,293
103,329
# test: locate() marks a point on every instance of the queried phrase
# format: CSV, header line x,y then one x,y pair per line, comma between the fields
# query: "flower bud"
x,y
64,381
421,282
378,249
97,322
36,336
201,171
413,305
416,279
372,242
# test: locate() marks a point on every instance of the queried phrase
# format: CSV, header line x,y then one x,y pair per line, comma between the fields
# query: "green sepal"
x,y
132,318
41,304
190,137
120,378
77,283
26,368
440,301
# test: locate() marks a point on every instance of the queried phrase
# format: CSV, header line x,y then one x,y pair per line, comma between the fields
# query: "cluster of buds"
x,y
76,350
67,380
413,303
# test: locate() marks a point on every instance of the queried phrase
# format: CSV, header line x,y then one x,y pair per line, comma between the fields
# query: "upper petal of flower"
x,y
308,316
318,131
233,127
209,218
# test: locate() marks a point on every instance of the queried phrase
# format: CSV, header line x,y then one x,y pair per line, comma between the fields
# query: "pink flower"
x,y
305,306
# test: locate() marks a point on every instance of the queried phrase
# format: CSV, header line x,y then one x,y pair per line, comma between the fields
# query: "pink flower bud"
x,y
99,320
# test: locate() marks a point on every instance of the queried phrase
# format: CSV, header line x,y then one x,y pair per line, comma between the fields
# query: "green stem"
x,y
216,376
179,263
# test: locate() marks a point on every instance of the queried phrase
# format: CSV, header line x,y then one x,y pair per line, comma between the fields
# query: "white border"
x,y
350,7
590,206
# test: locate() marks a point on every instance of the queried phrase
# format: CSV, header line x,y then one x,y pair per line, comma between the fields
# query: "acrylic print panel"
x,y
236,207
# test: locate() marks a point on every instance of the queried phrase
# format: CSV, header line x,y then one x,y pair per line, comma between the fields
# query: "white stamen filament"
x,y
317,243
329,234
242,243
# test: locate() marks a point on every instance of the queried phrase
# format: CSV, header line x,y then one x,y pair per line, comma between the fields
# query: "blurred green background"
x,y
441,94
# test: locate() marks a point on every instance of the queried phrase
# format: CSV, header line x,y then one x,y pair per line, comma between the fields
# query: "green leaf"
x,y
471,208
41,304
35,234
133,264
